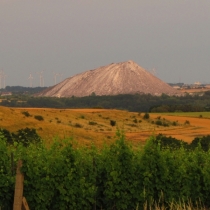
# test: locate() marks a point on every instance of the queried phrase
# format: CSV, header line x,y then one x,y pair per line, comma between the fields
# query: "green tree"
x,y
146,116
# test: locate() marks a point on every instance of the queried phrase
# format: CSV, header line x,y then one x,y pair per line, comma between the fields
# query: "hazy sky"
x,y
72,36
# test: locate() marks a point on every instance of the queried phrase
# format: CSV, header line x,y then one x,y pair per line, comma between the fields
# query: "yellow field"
x,y
198,126
93,125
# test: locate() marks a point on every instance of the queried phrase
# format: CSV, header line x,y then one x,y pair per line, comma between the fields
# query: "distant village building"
x,y
197,83
207,86
6,93
176,87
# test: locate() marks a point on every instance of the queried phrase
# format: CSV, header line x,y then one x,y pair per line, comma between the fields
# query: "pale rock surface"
x,y
116,78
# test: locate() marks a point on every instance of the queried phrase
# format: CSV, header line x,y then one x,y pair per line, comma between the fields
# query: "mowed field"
x,y
199,125
88,126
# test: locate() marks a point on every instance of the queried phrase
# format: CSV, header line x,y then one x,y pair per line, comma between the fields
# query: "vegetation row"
x,y
65,176
136,102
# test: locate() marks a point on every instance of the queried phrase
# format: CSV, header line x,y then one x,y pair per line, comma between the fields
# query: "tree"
x,y
146,116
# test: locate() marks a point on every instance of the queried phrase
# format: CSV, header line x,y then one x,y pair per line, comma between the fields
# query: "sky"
x,y
170,38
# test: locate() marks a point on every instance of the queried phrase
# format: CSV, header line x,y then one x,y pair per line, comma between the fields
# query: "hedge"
x,y
119,176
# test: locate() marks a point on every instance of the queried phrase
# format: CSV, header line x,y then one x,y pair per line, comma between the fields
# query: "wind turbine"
x,y
55,77
154,71
41,78
2,79
61,76
31,80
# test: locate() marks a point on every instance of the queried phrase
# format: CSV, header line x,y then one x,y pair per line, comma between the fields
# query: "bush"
x,y
165,124
92,123
26,113
146,116
132,125
158,122
39,117
135,121
174,123
118,176
78,125
112,122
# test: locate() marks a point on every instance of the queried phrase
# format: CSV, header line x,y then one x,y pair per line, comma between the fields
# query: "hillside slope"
x,y
116,78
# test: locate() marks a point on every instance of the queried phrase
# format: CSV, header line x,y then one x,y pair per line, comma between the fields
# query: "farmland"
x,y
93,125
118,176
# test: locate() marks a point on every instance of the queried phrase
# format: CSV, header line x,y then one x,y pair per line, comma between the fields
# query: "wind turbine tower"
x,y
31,80
2,79
61,76
154,72
55,77
41,78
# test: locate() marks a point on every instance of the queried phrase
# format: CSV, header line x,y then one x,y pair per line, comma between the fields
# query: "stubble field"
x,y
88,126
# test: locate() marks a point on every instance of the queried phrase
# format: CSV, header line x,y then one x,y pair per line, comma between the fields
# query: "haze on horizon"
x,y
70,37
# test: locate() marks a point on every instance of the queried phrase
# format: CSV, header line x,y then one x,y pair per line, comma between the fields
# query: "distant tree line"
x,y
178,108
136,102
21,89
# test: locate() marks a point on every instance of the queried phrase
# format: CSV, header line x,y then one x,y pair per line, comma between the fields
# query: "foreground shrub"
x,y
24,136
169,142
6,178
63,176
203,142
117,179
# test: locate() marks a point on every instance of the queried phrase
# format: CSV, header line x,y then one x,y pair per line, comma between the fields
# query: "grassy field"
x,y
189,114
93,125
